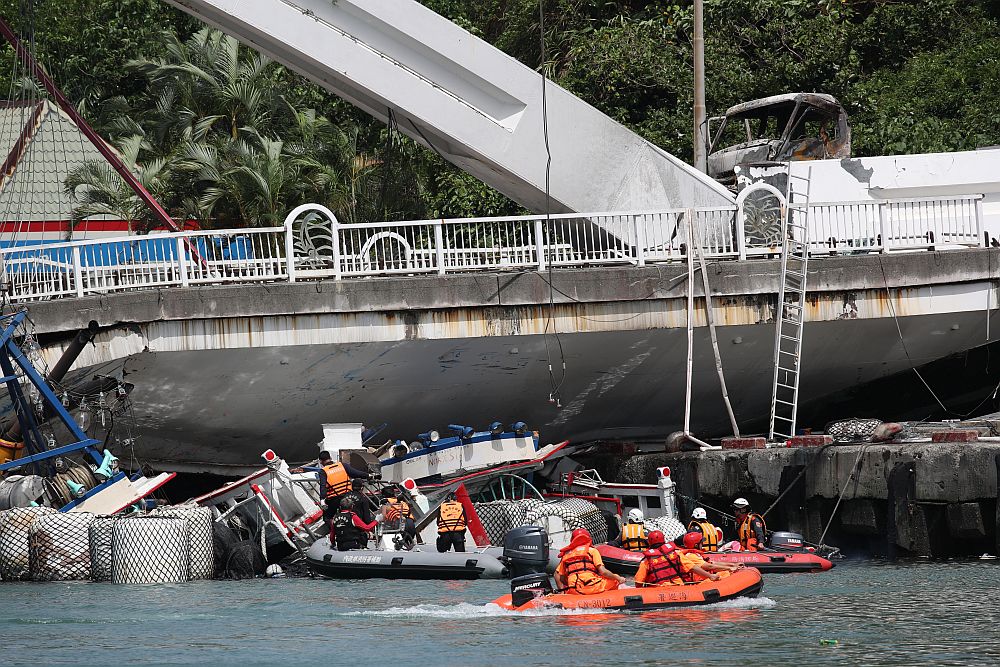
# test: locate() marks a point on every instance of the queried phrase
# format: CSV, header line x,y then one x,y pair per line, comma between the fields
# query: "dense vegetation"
x,y
226,137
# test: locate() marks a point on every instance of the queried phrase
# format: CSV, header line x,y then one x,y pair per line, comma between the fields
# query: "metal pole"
x,y
690,324
700,140
715,340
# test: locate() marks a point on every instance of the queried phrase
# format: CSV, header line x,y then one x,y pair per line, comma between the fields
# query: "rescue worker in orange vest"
x,y
711,534
335,482
451,525
661,564
581,569
397,511
750,528
696,567
633,537
347,530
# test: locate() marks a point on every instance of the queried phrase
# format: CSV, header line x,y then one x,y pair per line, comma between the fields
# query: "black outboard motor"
x,y
526,551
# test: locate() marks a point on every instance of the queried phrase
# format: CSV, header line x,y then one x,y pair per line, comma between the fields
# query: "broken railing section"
x,y
314,245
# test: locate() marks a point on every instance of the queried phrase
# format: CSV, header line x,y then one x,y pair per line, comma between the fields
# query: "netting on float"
x,y
149,550
14,553
199,520
59,546
671,528
500,516
100,547
573,513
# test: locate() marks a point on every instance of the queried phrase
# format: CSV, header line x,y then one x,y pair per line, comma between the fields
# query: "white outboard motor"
x,y
526,552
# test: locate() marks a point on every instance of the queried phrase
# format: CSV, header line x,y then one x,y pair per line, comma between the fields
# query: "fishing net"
x,y
149,550
100,547
59,546
14,525
199,521
671,528
853,430
244,560
567,515
500,516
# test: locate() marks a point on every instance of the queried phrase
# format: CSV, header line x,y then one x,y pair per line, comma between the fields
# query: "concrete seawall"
x,y
922,499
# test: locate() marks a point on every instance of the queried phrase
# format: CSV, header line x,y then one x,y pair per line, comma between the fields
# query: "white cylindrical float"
x,y
149,550
14,525
199,519
59,546
100,547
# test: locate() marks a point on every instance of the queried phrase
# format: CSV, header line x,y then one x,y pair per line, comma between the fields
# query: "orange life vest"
x,y
634,537
338,482
451,517
709,535
397,508
748,538
581,570
664,566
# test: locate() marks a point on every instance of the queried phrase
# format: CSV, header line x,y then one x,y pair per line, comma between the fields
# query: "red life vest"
x,y
663,565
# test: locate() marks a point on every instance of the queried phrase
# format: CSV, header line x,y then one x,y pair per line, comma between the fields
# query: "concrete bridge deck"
x,y
222,372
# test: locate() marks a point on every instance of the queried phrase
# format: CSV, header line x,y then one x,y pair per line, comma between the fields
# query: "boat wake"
x,y
468,610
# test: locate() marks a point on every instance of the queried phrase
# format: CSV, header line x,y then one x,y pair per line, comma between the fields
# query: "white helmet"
x,y
741,503
635,516
699,513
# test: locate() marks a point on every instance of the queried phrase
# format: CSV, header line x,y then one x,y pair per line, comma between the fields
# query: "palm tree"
x,y
99,190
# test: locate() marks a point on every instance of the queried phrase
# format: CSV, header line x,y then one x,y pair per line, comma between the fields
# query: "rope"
x,y
843,490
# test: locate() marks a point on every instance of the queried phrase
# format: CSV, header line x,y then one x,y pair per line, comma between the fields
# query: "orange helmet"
x,y
580,532
692,539
655,538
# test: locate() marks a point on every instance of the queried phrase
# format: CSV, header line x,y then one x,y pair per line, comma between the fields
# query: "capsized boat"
x,y
534,592
327,562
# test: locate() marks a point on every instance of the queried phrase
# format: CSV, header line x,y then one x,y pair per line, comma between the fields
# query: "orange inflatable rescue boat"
x,y
534,592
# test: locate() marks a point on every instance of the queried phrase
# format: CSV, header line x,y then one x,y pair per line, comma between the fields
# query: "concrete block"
x,y
744,443
955,472
956,435
809,441
859,517
911,529
965,521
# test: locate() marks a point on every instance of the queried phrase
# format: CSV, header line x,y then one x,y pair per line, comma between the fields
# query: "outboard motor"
x,y
526,552
786,541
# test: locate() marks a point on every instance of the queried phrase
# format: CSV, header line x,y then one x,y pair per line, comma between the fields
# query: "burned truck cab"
x,y
780,128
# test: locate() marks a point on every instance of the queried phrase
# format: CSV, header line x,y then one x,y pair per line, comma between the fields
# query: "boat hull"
x,y
375,564
743,583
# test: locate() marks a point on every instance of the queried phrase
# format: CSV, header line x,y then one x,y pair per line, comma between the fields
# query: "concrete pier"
x,y
926,499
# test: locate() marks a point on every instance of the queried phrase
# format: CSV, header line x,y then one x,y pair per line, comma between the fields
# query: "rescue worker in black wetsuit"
x,y
362,506
347,530
451,525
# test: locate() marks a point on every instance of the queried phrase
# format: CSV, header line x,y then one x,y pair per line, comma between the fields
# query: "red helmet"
x,y
580,532
692,539
655,538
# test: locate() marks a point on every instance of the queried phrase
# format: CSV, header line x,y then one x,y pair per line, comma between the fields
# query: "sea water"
x,y
860,613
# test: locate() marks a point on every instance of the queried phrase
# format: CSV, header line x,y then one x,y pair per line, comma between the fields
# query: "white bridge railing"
x,y
312,244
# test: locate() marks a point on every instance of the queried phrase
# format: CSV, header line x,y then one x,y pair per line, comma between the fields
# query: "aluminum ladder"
x,y
790,315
